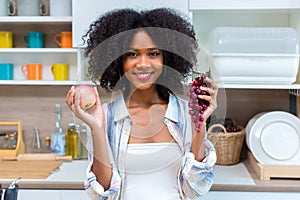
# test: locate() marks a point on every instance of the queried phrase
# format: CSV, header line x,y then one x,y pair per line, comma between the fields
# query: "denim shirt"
x,y
194,179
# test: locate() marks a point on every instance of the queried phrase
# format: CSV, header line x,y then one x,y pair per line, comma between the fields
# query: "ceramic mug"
x,y
3,7
25,7
60,7
64,39
6,71
44,8
6,39
32,71
34,39
60,71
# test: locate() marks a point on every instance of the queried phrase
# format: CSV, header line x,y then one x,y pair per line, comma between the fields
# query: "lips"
x,y
143,76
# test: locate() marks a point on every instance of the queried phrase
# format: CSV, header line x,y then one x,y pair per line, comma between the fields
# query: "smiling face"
x,y
143,62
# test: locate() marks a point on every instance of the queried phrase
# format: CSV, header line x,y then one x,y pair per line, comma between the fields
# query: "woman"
x,y
144,145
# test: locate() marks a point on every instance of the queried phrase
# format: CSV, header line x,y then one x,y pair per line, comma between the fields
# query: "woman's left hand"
x,y
211,98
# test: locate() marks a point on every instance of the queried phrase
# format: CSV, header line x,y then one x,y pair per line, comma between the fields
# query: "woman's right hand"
x,y
94,117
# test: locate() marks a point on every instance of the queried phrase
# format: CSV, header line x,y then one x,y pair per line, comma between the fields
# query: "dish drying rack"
x,y
266,172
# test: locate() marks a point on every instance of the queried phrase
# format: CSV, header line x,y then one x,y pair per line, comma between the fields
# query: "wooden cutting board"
x,y
34,169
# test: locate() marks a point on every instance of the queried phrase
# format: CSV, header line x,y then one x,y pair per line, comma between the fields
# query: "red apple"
x,y
87,96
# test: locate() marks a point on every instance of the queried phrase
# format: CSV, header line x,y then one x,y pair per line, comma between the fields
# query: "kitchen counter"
x,y
239,177
69,175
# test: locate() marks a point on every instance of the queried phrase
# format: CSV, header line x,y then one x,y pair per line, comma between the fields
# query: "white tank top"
x,y
151,171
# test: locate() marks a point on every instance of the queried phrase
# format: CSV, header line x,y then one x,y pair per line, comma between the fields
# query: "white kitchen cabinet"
x,y
85,12
51,53
39,194
214,195
207,15
74,195
25,194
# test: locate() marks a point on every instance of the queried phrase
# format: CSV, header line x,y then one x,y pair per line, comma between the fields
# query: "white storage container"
x,y
265,55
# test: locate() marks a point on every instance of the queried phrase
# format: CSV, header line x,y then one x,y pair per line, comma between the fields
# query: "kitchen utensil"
x,y
275,138
34,39
1,191
25,7
11,193
32,71
64,39
35,146
60,71
249,126
6,71
266,55
37,156
6,39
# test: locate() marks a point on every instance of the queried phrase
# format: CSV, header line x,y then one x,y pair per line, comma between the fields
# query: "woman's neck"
x,y
144,98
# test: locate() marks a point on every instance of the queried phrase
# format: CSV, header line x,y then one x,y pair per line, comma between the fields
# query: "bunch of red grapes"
x,y
197,106
228,123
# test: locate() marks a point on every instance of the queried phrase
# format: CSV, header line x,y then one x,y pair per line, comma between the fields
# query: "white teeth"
x,y
143,75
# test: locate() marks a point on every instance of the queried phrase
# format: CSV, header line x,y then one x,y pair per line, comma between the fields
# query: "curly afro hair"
x,y
109,37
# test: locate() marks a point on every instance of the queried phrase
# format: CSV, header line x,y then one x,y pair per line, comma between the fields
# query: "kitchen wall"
x,y
34,105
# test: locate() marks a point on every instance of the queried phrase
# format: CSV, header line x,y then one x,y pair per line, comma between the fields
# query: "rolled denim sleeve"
x,y
96,191
197,177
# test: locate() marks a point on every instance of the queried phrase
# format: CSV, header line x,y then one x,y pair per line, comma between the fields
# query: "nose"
x,y
143,61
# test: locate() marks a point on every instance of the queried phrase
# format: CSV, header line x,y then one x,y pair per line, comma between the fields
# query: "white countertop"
x,y
70,175
75,172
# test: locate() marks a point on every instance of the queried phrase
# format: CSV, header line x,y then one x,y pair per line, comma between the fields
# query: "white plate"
x,y
249,126
274,138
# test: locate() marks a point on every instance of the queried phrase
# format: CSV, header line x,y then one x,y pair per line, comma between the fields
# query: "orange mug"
x,y
64,39
32,71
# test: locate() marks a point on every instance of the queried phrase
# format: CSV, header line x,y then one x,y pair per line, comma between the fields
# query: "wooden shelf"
x,y
38,50
36,19
259,86
43,82
243,5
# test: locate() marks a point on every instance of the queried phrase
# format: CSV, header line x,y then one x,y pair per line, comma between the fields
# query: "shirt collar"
x,y
121,110
172,112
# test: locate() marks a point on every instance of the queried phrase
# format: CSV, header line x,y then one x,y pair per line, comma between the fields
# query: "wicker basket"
x,y
228,145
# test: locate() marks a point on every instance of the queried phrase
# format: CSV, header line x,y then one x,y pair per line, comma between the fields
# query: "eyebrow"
x,y
134,49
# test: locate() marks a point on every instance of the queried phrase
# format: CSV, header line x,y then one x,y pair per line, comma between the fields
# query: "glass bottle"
x,y
5,141
83,140
71,129
73,141
58,137
36,146
12,141
47,146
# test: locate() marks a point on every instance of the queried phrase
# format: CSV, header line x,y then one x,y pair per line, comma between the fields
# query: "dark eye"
x,y
154,54
131,54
